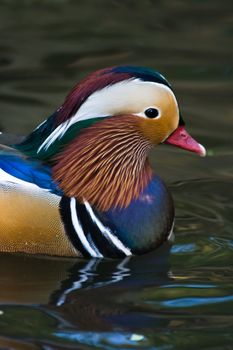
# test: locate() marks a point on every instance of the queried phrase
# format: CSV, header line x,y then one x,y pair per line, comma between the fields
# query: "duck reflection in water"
x,y
86,294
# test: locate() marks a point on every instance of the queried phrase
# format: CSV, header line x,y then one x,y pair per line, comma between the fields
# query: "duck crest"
x,y
94,82
58,130
50,137
106,164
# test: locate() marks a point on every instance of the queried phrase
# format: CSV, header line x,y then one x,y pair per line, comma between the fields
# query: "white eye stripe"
x,y
121,97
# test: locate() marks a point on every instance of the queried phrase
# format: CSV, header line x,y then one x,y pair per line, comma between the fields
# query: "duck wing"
x,y
30,219
20,169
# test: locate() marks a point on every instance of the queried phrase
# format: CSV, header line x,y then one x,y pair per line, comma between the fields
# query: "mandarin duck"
x,y
81,184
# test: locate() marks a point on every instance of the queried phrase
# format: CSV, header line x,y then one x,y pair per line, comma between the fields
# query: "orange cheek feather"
x,y
157,130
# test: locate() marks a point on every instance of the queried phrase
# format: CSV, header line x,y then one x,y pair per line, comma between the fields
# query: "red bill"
x,y
181,138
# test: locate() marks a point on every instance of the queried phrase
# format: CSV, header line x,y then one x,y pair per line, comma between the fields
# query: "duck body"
x,y
37,218
80,184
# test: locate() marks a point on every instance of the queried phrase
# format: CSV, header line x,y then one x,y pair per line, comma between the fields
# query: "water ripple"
x,y
190,302
104,340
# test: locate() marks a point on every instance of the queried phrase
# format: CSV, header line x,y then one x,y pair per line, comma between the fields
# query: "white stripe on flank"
x,y
106,231
80,233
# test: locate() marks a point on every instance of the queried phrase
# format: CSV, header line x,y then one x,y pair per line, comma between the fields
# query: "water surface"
x,y
178,298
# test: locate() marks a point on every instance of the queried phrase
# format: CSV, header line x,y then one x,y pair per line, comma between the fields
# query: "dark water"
x,y
178,299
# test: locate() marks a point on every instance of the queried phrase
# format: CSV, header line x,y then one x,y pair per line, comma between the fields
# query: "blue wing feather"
x,y
28,170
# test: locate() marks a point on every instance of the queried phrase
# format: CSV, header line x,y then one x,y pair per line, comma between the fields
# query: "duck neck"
x,y
106,164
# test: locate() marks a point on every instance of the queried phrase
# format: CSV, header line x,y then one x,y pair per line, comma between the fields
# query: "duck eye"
x,y
151,112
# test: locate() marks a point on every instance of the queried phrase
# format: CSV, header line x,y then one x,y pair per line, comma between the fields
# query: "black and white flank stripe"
x,y
87,233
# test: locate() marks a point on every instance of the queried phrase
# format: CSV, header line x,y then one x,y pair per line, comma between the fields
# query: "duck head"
x,y
98,140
